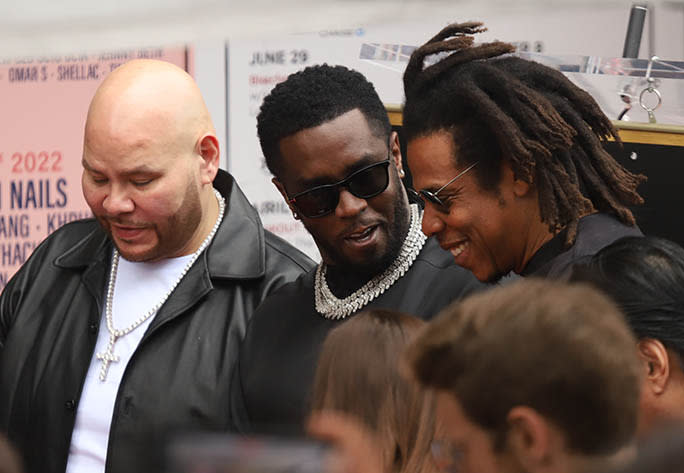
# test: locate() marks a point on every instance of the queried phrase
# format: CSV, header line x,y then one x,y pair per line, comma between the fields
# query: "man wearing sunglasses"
x,y
327,140
508,156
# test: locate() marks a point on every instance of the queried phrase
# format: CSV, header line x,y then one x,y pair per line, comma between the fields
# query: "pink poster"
x,y
43,106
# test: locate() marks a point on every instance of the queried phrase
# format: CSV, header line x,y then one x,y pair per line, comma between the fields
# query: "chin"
x,y
487,277
138,256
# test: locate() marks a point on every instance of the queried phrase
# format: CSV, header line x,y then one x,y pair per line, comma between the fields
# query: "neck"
x,y
613,462
210,212
344,281
537,236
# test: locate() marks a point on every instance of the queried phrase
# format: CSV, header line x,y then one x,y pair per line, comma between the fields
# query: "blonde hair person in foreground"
x,y
365,383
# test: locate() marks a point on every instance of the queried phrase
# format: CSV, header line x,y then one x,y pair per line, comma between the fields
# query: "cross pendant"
x,y
107,357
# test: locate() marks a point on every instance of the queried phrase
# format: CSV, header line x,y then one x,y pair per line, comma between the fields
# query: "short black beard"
x,y
344,281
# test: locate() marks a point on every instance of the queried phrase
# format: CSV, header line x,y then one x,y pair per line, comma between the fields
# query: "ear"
x,y
530,437
520,187
395,153
208,149
281,188
656,364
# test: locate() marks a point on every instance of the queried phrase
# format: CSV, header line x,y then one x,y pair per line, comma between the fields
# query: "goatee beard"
x,y
343,281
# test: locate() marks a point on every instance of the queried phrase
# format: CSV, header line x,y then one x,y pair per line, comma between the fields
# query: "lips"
x,y
361,235
456,249
125,232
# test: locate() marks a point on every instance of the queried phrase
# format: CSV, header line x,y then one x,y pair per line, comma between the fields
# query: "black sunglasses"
x,y
432,196
322,200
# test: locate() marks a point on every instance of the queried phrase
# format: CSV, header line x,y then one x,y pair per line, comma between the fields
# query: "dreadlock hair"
x,y
507,108
311,97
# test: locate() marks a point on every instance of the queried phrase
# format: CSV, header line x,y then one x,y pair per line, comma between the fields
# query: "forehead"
x,y
109,147
431,159
331,150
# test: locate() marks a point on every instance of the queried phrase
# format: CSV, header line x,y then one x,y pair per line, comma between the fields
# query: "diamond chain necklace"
x,y
108,355
330,307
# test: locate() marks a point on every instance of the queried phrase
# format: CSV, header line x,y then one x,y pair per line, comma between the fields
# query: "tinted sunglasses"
x,y
432,196
322,200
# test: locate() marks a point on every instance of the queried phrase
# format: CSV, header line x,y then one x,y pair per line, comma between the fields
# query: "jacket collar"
x,y
236,252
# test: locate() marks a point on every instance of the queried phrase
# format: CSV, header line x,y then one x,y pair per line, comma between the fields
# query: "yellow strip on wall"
x,y
630,132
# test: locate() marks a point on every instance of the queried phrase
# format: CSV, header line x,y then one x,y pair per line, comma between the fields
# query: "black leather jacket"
x,y
177,379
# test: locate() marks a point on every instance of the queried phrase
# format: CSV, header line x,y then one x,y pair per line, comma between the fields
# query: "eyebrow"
x,y
433,189
142,169
86,165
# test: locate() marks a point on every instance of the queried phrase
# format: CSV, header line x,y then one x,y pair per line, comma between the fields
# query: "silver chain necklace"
x,y
330,307
108,355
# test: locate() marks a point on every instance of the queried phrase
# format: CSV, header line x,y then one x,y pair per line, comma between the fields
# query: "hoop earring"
x,y
401,173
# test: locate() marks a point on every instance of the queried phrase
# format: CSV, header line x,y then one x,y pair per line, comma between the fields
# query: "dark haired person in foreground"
x,y
535,376
508,156
645,277
337,163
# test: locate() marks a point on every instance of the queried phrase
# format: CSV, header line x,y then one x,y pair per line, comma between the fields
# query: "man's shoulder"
x,y
289,294
67,247
597,231
286,312
594,232
280,250
284,300
69,235
606,226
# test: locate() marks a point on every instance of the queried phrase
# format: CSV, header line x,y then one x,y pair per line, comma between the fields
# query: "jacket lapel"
x,y
237,253
91,253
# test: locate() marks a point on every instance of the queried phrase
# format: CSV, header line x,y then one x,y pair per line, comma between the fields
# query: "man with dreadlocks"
x,y
507,155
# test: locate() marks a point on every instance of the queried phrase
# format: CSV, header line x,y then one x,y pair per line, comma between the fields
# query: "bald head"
x,y
153,96
150,156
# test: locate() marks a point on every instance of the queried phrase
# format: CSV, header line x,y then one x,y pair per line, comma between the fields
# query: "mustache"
x,y
121,223
356,226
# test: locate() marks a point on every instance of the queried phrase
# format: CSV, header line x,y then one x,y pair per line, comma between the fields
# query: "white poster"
x,y
381,53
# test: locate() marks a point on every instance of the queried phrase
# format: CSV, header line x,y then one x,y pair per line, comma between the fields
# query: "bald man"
x,y
123,329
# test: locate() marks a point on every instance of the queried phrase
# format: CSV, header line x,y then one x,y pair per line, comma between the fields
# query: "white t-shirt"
x,y
139,287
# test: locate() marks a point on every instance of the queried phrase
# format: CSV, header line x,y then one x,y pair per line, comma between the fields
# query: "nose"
x,y
432,220
117,201
349,205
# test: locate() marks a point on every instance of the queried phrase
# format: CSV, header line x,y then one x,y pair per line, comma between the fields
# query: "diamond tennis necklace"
x,y
108,355
330,307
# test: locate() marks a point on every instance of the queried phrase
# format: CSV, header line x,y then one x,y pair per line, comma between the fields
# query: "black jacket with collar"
x,y
178,377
